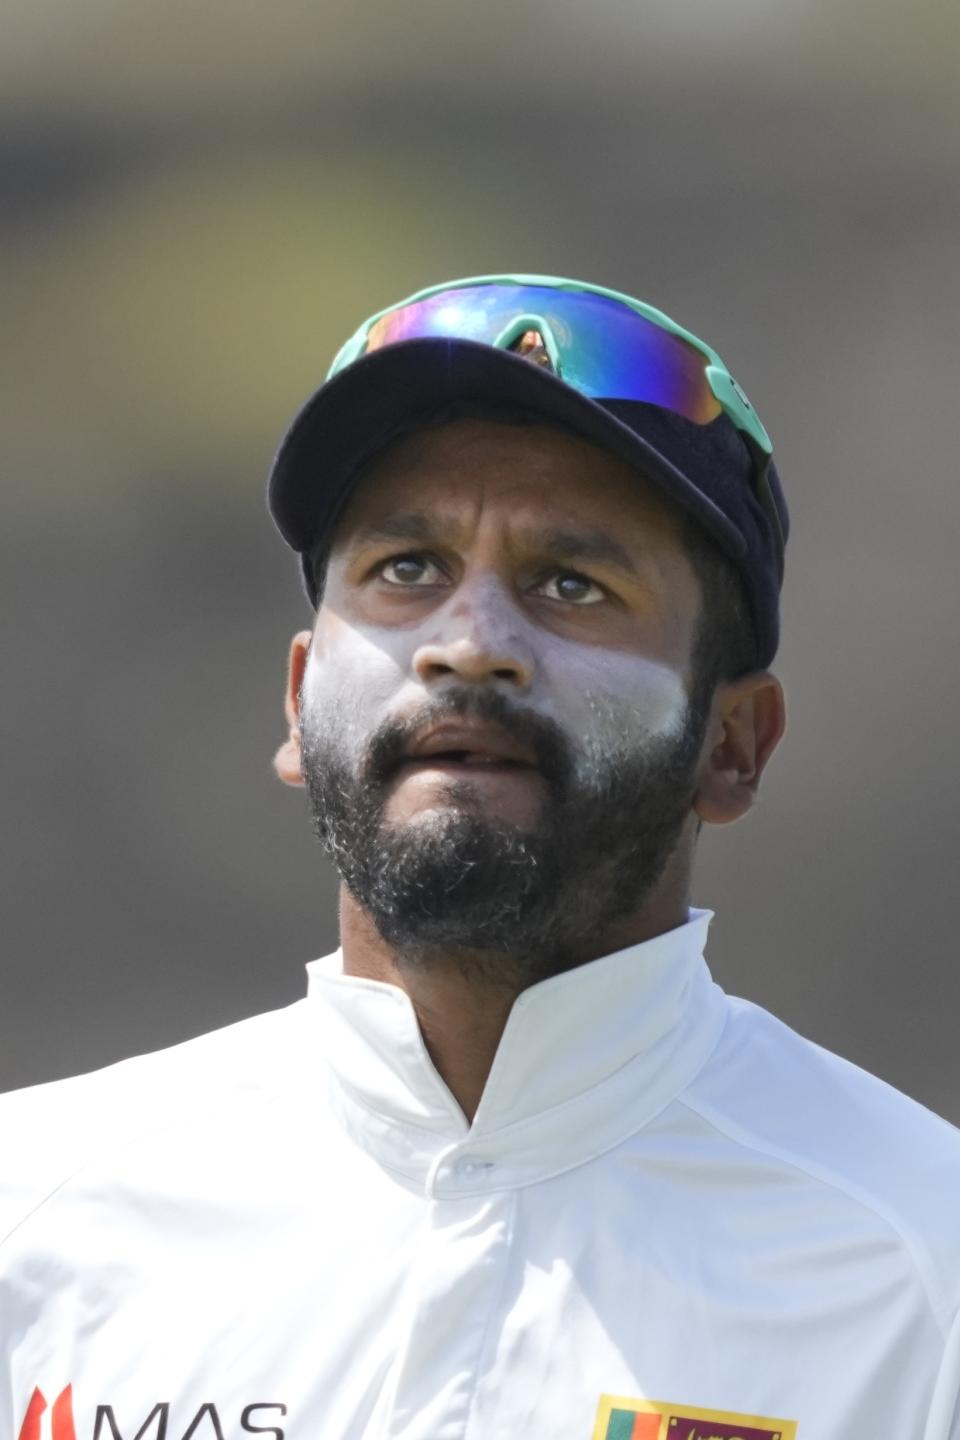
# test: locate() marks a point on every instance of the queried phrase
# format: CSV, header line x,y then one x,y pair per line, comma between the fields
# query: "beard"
x,y
500,900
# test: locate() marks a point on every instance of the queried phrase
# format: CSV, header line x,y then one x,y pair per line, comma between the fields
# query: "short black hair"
x,y
725,646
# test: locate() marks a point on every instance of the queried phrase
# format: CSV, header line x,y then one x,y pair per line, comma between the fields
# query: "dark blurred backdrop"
x,y
199,202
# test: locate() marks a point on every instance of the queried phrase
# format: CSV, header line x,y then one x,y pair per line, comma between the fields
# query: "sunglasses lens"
x,y
606,349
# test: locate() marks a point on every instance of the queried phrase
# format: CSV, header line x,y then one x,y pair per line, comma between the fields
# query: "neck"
x,y
462,1000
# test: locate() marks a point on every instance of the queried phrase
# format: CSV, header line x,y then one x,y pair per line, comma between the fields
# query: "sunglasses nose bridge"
x,y
521,325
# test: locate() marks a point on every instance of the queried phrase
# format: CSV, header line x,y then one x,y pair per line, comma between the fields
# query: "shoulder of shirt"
x,y
48,1132
772,1091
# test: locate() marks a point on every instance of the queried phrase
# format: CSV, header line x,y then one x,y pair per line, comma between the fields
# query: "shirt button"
x,y
468,1168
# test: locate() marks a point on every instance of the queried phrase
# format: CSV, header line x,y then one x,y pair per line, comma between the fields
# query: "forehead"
x,y
525,473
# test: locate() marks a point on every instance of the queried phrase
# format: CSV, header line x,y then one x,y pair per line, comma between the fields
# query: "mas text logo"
x,y
43,1421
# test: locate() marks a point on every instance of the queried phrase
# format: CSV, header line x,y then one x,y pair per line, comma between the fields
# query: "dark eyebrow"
x,y
594,546
586,546
398,525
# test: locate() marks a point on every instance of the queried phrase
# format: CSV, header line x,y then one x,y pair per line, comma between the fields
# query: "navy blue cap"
x,y
710,471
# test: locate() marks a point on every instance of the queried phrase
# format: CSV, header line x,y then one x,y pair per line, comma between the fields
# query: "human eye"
x,y
572,588
410,570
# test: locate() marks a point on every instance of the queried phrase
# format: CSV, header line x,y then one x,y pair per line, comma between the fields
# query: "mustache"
x,y
388,747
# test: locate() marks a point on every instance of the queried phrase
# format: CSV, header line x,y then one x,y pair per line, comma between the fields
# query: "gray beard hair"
x,y
459,887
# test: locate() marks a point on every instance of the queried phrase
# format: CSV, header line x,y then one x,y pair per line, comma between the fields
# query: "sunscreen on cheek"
x,y
349,684
642,698
659,702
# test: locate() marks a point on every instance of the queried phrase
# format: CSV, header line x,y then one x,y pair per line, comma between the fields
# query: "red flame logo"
x,y
61,1416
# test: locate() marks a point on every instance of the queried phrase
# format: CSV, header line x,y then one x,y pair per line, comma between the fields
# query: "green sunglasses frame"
x,y
727,392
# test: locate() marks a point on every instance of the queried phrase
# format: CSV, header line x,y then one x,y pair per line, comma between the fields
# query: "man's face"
x,y
497,740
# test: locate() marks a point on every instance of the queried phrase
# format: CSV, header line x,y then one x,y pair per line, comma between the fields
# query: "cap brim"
x,y
352,417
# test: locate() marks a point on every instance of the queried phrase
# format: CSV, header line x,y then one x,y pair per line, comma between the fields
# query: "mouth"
x,y
468,749
457,765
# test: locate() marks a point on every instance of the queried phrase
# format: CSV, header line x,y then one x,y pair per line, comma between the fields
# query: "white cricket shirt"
x,y
672,1219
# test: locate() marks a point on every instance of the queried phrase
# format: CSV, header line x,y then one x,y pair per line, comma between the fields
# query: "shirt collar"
x,y
586,1059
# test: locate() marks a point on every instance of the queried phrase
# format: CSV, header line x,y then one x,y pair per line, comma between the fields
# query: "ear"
x,y
747,721
288,761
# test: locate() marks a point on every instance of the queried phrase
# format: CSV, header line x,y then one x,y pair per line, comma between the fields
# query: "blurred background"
x,y
201,201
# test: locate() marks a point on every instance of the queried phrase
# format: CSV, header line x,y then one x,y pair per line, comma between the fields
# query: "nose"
x,y
479,639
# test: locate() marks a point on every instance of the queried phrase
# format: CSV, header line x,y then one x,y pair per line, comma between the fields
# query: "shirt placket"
x,y
453,1303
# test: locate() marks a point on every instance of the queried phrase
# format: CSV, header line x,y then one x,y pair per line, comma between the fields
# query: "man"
x,y
516,1166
